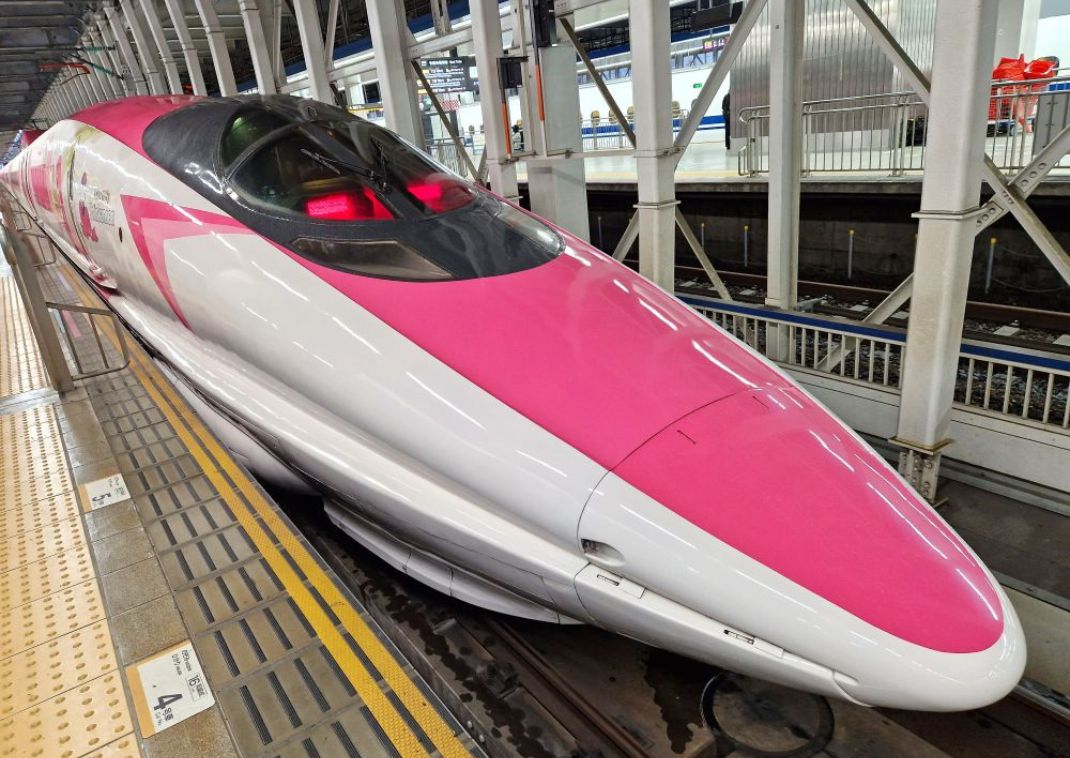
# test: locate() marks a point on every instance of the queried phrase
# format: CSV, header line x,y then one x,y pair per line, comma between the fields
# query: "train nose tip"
x,y
923,680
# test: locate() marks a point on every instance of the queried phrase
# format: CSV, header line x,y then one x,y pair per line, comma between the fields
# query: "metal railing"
x,y
1014,383
81,322
445,152
31,250
887,132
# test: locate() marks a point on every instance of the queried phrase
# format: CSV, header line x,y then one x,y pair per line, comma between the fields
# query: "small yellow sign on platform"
x,y
168,688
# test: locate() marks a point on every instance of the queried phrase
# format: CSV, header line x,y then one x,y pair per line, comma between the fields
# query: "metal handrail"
x,y
90,312
48,335
887,131
1017,384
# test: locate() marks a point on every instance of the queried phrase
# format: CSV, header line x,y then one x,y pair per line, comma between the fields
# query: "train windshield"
x,y
348,194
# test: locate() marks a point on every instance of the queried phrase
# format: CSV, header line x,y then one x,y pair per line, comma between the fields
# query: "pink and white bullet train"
x,y
504,412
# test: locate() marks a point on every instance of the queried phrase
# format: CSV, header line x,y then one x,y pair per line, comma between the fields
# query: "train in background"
x,y
503,412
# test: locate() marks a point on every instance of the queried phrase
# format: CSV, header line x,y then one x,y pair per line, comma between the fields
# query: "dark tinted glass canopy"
x,y
343,192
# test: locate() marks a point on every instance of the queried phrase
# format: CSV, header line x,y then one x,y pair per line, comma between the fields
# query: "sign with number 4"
x,y
168,688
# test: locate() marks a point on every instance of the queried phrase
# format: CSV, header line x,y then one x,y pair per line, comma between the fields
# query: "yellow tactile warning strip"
x,y
48,617
284,552
70,724
35,580
21,369
61,693
54,667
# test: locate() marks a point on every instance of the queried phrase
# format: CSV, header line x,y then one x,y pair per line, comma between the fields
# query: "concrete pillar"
x,y
962,60
558,186
258,47
118,38
146,53
311,33
118,64
786,21
652,96
1008,29
487,41
152,20
217,46
397,85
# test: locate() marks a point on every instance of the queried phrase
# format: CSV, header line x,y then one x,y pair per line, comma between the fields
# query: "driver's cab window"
x,y
293,174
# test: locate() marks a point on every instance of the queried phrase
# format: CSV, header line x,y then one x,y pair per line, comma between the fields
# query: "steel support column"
x,y
118,34
100,92
118,62
652,95
217,45
114,84
397,86
177,12
170,67
487,41
951,189
145,51
100,87
786,19
331,31
83,92
258,47
311,33
557,183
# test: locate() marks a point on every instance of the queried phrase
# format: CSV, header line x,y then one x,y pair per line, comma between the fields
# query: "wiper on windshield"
x,y
335,163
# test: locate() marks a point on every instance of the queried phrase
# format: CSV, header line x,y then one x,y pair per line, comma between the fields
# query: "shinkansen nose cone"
x,y
763,512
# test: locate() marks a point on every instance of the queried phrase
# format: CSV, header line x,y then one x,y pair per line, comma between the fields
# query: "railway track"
x,y
1055,322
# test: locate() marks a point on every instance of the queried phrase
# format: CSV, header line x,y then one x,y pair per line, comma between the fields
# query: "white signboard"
x,y
107,491
168,688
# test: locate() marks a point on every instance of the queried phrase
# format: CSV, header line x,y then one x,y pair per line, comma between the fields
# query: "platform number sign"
x,y
168,688
102,492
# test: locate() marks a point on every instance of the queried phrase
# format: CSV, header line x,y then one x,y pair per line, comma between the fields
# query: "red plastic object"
x,y
1041,68
349,205
1001,102
439,193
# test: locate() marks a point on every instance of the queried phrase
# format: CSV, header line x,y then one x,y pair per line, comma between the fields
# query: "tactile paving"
x,y
31,581
46,618
36,544
18,491
37,513
72,724
124,747
41,672
33,456
22,370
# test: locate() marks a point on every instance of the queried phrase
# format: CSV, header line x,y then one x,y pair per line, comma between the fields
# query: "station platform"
x,y
154,600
